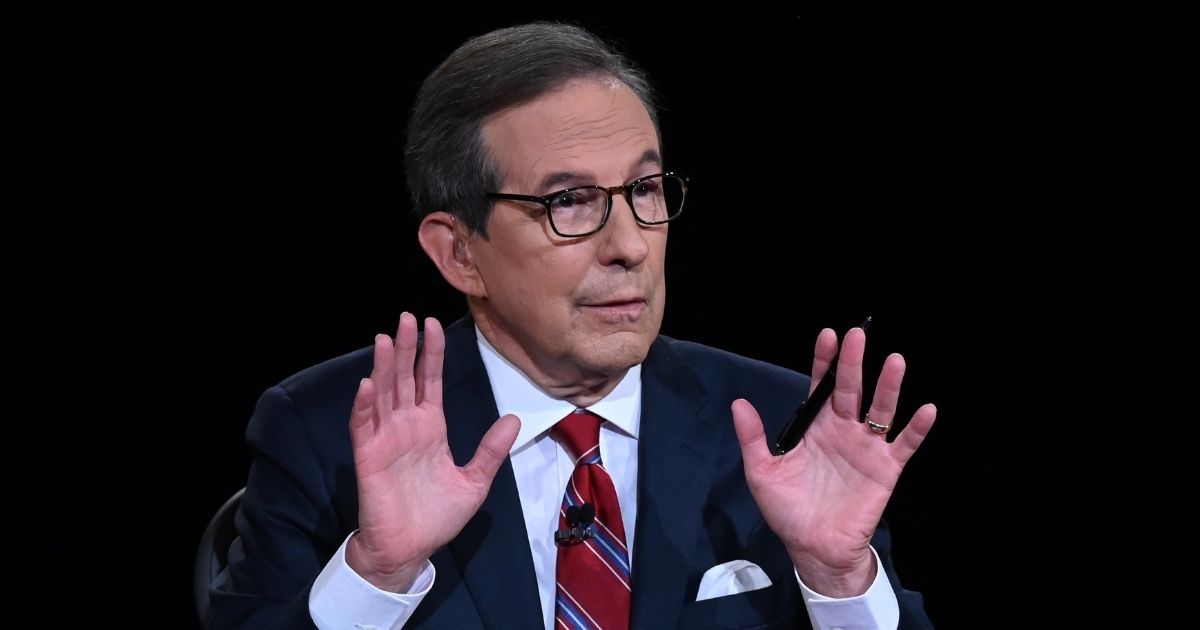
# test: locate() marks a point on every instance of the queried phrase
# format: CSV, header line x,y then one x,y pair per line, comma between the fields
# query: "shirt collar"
x,y
518,395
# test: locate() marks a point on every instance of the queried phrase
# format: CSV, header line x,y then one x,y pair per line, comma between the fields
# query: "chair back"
x,y
212,554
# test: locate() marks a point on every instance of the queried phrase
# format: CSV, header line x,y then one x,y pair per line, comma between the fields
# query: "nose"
x,y
623,239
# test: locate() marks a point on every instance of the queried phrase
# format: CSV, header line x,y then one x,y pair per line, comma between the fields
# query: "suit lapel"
x,y
492,551
674,444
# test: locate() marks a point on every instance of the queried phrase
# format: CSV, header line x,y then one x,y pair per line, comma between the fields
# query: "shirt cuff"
x,y
341,598
877,608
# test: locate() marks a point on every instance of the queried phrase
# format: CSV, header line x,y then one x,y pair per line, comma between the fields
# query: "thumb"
x,y
493,449
751,437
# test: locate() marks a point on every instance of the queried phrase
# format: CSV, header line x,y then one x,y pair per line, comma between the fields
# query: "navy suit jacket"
x,y
695,510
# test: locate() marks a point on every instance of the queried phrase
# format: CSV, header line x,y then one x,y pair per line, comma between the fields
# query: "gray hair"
x,y
447,163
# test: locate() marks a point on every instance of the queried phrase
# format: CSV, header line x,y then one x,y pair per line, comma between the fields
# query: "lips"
x,y
617,310
617,302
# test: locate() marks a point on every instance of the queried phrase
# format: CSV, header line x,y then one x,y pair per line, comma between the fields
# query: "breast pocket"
x,y
770,607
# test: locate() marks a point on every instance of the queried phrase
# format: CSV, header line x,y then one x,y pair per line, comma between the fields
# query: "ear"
x,y
447,243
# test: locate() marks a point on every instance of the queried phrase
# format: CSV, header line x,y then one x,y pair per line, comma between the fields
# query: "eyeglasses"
x,y
583,210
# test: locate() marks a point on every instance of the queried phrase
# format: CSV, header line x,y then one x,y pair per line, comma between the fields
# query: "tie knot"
x,y
579,432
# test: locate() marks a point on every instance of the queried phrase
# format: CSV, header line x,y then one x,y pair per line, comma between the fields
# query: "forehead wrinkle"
x,y
589,133
578,125
564,150
577,135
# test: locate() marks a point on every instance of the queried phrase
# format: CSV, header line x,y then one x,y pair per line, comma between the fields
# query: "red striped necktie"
x,y
593,562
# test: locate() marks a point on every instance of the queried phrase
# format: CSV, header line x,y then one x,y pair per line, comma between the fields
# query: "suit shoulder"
x,y
326,388
351,366
729,367
311,407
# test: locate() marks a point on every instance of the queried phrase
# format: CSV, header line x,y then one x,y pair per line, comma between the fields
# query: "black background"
x,y
209,201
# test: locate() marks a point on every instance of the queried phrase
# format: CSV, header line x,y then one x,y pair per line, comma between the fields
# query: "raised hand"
x,y
412,498
825,497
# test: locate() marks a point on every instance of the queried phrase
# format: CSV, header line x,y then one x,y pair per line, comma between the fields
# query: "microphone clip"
x,y
579,525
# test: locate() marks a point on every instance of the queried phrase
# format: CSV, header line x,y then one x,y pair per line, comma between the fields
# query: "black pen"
x,y
795,428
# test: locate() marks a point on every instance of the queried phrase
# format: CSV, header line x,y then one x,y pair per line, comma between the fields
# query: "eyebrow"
x,y
556,180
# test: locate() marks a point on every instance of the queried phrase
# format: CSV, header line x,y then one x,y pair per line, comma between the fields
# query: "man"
x,y
627,481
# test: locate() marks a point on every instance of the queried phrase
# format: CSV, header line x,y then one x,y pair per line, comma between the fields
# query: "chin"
x,y
616,352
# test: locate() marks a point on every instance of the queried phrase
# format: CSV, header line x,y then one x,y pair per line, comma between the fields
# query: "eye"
x,y
578,200
649,187
568,200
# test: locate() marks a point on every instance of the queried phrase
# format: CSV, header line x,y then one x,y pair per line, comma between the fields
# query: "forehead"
x,y
588,129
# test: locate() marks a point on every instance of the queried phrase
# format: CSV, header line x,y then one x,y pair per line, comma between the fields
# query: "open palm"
x,y
413,498
825,497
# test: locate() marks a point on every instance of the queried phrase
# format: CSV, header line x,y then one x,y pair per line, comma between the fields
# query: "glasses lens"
x,y
658,199
579,211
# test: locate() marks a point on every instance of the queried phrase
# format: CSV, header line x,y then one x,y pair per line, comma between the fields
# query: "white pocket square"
x,y
731,578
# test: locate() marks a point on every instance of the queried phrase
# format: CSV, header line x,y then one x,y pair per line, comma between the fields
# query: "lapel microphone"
x,y
579,525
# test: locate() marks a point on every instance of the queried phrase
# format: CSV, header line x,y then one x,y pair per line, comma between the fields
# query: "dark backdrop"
x,y
218,201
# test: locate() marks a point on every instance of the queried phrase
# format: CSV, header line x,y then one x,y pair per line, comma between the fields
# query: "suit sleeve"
x,y
287,526
912,604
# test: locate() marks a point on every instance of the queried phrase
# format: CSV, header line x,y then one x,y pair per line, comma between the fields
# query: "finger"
x,y
847,388
362,415
887,390
429,365
824,354
749,429
405,355
914,433
493,449
381,372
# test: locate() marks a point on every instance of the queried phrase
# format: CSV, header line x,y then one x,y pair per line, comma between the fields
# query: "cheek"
x,y
546,290
560,273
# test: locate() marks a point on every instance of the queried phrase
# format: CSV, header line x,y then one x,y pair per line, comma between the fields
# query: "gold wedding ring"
x,y
875,427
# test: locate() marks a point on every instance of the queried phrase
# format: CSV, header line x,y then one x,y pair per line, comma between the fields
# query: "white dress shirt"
x,y
340,598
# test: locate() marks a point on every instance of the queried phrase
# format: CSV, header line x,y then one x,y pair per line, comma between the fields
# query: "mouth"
x,y
618,309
